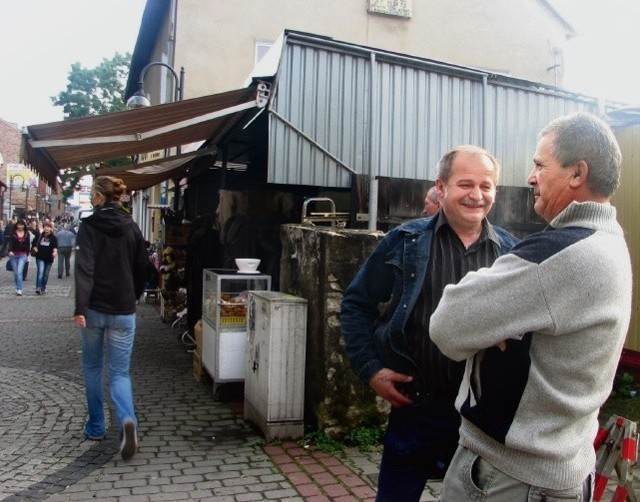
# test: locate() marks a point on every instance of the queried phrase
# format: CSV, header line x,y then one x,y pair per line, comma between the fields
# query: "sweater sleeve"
x,y
490,305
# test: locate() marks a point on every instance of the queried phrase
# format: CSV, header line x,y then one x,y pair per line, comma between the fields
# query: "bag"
x,y
8,266
34,247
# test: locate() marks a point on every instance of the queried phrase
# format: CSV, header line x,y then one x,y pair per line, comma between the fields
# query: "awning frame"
x,y
50,148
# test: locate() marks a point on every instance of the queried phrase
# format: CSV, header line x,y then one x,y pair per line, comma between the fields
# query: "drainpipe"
x,y
373,182
485,106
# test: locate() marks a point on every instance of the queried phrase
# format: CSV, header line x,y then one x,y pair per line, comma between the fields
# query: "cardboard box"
x,y
197,329
197,367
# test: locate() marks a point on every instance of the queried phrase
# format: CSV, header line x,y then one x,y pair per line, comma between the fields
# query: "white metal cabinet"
x,y
224,322
274,376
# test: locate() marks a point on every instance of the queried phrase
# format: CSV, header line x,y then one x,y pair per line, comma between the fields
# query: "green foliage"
x,y
625,384
69,188
322,442
95,91
622,401
365,438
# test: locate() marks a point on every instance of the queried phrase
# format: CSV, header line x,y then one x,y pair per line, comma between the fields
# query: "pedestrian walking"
x,y
66,240
19,248
34,234
45,249
109,278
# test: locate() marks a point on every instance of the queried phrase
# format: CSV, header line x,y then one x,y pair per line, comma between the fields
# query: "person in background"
x,y
542,331
392,352
109,276
66,241
34,232
2,239
46,249
19,248
8,230
431,202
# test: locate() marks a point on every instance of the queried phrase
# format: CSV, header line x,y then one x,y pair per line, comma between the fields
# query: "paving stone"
x,y
191,447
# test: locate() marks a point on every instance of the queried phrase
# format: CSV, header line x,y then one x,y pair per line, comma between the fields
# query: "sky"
x,y
602,61
42,38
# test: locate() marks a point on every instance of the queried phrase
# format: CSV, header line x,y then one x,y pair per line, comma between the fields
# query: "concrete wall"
x,y
318,263
216,39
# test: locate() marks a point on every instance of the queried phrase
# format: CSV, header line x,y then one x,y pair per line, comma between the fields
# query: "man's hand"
x,y
387,384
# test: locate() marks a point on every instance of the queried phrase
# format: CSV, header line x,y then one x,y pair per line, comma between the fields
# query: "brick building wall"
x,y
10,144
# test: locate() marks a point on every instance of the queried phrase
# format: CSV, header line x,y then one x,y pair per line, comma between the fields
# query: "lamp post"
x,y
3,190
26,201
11,178
140,100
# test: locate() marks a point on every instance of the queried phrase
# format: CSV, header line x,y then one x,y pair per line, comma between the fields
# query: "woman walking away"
x,y
109,278
46,249
19,247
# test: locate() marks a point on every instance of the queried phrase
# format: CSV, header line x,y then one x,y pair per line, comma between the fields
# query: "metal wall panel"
x,y
418,115
320,93
514,118
627,205
420,110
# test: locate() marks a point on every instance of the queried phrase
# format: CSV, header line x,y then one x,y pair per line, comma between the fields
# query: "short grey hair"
x,y
446,162
582,136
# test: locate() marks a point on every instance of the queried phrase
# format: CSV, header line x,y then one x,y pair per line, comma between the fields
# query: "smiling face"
x,y
468,195
552,184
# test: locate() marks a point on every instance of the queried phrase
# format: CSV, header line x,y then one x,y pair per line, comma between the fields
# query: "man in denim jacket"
x,y
404,278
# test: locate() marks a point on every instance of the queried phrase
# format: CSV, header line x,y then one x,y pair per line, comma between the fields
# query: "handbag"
x,y
9,266
34,248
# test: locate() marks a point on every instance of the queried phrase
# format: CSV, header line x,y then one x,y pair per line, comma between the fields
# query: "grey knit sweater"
x,y
562,301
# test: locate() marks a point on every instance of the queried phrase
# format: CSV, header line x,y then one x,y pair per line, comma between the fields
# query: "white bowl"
x,y
247,264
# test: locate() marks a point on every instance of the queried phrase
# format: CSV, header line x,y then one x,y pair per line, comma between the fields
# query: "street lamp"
x,y
11,178
140,99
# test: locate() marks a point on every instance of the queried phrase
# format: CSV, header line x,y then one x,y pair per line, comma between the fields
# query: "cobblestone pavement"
x,y
191,447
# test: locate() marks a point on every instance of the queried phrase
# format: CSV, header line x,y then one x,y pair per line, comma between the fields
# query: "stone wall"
x,y
318,263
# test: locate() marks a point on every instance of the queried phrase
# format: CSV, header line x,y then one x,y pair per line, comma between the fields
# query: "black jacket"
x,y
45,246
110,262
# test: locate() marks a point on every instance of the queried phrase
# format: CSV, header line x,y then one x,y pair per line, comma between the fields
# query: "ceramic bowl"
x,y
247,264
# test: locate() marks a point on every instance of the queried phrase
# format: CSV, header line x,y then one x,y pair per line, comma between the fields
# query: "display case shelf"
x,y
225,294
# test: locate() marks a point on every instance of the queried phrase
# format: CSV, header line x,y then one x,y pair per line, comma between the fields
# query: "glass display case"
x,y
224,321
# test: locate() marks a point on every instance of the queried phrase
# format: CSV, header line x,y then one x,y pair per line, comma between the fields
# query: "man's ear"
x,y
440,189
580,174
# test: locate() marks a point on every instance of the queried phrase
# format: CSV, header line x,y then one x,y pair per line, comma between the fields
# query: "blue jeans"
x,y
43,273
17,262
119,331
418,446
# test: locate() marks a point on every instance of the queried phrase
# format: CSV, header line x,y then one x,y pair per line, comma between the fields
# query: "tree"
x,y
94,91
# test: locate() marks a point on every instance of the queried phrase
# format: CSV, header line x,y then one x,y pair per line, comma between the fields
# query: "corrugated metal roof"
x,y
324,116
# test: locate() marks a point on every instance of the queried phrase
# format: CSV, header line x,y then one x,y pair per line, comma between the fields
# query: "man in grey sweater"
x,y
66,240
542,330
